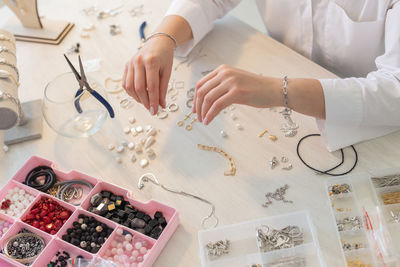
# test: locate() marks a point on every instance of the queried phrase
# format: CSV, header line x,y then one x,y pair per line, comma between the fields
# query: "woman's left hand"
x,y
227,85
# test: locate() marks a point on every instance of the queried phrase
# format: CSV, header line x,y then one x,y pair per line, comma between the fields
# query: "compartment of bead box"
x,y
56,243
244,248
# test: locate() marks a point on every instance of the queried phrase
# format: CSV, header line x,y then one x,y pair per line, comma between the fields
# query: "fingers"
x,y
164,79
202,92
128,79
124,77
199,84
211,97
140,82
152,83
220,104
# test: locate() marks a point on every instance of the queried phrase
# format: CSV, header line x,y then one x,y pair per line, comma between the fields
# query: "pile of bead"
x,y
15,202
349,223
59,260
115,208
87,233
272,239
357,263
4,226
24,247
127,250
339,189
47,215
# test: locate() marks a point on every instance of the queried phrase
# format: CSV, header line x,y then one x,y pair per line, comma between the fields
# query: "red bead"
x,y
64,215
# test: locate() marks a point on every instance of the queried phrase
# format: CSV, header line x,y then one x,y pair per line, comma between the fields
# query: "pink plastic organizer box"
x,y
54,243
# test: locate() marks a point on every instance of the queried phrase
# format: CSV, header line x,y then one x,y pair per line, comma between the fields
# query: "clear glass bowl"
x,y
59,110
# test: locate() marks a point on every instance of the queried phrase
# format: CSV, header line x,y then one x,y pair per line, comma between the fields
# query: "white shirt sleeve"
x,y
200,14
359,109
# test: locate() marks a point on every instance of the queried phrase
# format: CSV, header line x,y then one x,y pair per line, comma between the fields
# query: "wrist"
x,y
276,91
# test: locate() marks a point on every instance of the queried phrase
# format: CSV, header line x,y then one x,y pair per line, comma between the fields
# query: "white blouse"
x,y
359,40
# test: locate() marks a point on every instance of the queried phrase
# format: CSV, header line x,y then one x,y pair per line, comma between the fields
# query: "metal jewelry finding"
x,y
189,103
125,103
289,262
173,107
3,61
218,248
162,114
278,195
149,177
190,93
388,180
349,223
232,171
182,122
269,239
289,128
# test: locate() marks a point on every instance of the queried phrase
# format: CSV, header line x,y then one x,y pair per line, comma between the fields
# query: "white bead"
x,y
149,142
21,192
151,132
120,149
139,129
127,130
124,143
128,237
144,163
223,134
138,245
233,116
132,120
118,160
134,132
133,158
139,148
111,147
84,34
88,27
239,126
5,148
119,231
148,127
131,145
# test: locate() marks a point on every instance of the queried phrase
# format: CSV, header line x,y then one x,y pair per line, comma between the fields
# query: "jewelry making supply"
x,y
189,127
120,149
109,12
133,158
6,75
223,134
273,162
385,181
118,159
24,247
68,190
262,133
115,29
60,259
149,177
349,224
84,34
190,93
5,148
218,248
278,195
149,141
74,49
144,163
357,263
41,178
116,208
162,114
116,82
289,128
287,167
132,120
139,148
126,103
288,262
127,249
111,147
391,198
395,217
172,107
151,132
136,11
189,103
127,130
87,226
284,159
273,137
47,215
139,129
182,122
232,171
131,145
90,10
15,202
151,154
346,246
338,189
269,239
239,126
327,172
88,27
4,62
4,49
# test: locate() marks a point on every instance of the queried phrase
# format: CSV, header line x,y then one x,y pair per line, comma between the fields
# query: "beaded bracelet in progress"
x,y
232,171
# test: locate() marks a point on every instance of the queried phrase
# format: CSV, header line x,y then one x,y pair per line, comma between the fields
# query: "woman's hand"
x,y
147,74
227,85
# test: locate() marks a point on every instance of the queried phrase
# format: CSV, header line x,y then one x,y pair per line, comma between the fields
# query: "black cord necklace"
x,y
327,172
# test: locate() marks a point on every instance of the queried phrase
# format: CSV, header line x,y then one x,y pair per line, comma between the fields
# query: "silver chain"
x,y
3,61
6,96
289,128
149,177
388,180
4,49
269,239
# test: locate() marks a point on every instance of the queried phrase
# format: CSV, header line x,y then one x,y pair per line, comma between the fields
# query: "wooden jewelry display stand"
x,y
21,122
34,28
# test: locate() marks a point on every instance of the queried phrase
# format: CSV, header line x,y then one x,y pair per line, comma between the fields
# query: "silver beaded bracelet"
x,y
163,34
6,96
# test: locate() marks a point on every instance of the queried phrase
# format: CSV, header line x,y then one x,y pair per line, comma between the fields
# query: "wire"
x,y
40,172
327,172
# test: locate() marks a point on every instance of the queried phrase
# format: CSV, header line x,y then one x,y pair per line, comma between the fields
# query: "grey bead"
x,y
138,223
96,199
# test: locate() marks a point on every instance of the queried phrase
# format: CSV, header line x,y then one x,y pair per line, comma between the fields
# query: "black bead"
x,y
100,240
153,223
75,241
140,214
69,230
75,224
91,219
147,229
106,194
146,218
113,198
158,215
94,250
162,221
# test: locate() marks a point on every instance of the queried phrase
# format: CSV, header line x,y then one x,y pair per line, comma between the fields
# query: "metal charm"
x,y
217,249
278,195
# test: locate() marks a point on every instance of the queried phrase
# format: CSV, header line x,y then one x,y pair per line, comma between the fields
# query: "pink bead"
x,y
119,245
139,259
135,253
132,258
114,251
114,244
108,253
116,257
128,247
123,258
125,243
138,245
134,265
128,237
120,251
143,250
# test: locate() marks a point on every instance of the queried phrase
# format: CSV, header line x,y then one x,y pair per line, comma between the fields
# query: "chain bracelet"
x,y
6,63
6,96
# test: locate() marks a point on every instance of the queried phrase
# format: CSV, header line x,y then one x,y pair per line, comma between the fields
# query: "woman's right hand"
x,y
147,73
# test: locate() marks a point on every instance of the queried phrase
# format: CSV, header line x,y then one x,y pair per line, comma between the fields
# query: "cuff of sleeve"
x,y
197,20
343,108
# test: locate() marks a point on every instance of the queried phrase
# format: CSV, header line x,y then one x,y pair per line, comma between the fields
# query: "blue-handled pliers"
x,y
84,85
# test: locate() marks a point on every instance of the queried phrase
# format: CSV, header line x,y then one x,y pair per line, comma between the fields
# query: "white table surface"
x,y
179,162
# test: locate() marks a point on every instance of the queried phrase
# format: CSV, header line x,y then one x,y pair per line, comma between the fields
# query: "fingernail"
x,y
206,121
152,111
